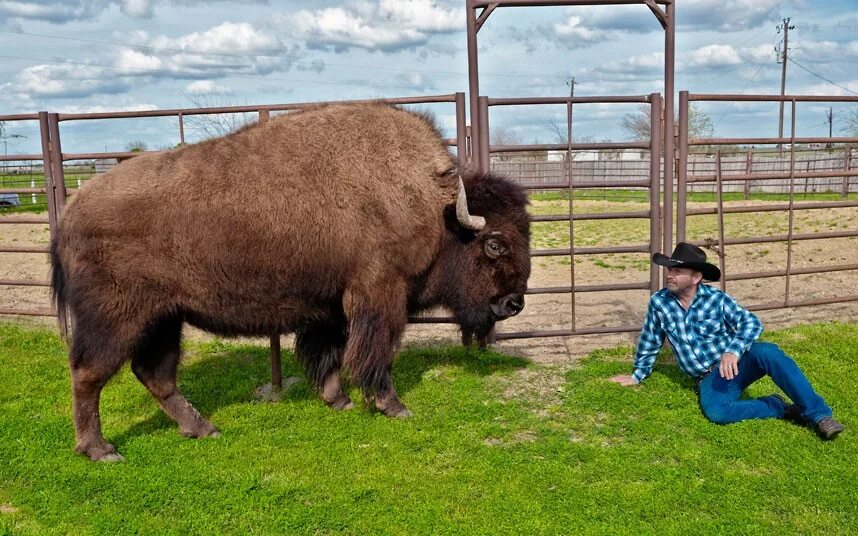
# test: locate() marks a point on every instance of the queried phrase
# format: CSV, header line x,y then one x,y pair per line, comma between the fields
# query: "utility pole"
x,y
830,124
571,84
783,59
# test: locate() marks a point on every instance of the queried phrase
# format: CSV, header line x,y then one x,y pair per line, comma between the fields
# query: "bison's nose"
x,y
509,305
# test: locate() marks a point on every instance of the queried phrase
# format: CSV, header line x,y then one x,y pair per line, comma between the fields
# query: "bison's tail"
x,y
58,286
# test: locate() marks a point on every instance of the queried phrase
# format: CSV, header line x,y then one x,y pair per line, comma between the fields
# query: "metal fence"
x,y
546,170
571,183
43,181
789,177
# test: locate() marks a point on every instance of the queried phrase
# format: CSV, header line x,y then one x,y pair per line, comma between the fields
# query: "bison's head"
x,y
487,266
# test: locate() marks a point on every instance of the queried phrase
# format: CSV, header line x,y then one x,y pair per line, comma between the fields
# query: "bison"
x,y
332,223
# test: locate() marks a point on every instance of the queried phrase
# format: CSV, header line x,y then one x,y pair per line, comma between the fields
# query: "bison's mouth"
x,y
509,305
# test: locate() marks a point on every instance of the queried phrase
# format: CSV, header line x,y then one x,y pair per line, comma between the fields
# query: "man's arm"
x,y
649,344
745,325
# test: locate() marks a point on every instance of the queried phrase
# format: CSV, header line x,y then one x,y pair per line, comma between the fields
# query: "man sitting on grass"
x,y
708,330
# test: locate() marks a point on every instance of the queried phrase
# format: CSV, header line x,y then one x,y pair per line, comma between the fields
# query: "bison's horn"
x,y
466,220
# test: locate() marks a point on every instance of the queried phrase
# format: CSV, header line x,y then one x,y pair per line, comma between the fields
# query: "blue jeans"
x,y
719,398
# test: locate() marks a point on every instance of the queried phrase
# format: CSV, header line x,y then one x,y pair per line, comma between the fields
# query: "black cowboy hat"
x,y
688,256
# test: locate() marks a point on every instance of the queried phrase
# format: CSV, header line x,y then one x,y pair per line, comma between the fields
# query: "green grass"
x,y
642,196
40,204
581,457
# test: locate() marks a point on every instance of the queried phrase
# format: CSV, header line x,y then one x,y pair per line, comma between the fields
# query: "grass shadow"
x,y
413,362
217,375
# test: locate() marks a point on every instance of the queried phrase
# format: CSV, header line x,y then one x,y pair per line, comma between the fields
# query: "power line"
x,y
748,83
822,77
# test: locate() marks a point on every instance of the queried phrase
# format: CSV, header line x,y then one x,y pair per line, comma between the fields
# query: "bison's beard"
x,y
476,321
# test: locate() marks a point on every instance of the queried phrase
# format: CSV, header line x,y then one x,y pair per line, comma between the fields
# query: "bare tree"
x,y
850,121
637,124
505,136
136,146
215,125
560,131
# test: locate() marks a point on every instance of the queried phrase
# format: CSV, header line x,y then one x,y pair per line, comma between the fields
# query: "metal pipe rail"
x,y
646,214
645,248
429,99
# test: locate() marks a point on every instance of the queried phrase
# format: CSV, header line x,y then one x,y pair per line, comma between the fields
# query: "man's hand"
x,y
624,380
729,366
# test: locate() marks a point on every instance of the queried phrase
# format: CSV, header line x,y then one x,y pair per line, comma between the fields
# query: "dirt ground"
x,y
595,309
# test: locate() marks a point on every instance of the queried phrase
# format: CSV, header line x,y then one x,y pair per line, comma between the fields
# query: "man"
x,y
714,341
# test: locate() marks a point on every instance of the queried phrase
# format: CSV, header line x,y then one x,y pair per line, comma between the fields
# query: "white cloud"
x,y
207,86
95,109
714,56
134,62
644,64
730,15
416,80
573,30
64,11
226,38
56,11
388,25
221,51
824,88
138,9
229,48
758,54
66,81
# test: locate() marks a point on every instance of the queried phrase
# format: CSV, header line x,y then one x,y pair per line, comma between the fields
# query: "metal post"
x,y
59,181
749,164
669,55
485,157
473,83
181,129
654,182
784,56
48,155
276,370
791,204
571,207
722,247
461,134
682,176
847,163
485,166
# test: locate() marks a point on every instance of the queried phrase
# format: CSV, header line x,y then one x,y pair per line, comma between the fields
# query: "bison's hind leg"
x,y
155,361
319,348
96,355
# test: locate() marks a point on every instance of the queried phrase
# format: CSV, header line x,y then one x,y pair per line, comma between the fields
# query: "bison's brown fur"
x,y
332,223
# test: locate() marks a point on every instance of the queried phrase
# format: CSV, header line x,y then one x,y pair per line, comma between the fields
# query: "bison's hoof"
x,y
100,453
341,402
395,409
206,429
403,413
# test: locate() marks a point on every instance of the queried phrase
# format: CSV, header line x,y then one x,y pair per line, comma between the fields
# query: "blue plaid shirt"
x,y
713,325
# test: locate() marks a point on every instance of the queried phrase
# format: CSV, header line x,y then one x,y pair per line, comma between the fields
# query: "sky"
x,y
111,55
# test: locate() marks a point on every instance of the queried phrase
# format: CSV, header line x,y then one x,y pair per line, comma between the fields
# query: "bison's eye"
x,y
494,248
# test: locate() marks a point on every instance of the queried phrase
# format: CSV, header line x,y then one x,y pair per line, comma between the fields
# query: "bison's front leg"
x,y
320,349
468,339
376,319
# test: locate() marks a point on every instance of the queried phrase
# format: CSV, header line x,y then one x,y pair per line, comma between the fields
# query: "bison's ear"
x,y
451,223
